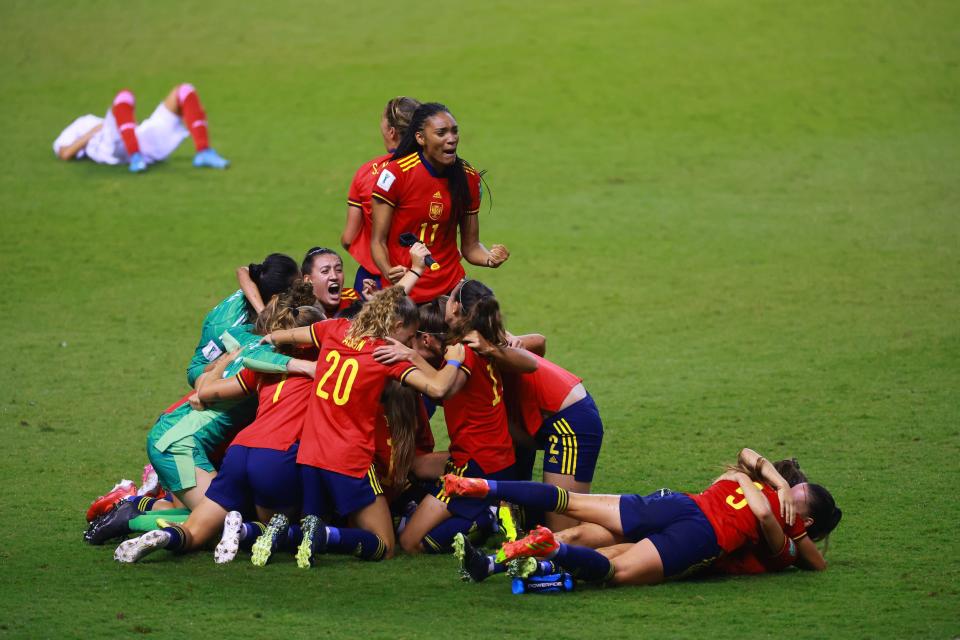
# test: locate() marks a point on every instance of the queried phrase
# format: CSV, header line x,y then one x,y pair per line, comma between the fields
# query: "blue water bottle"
x,y
552,583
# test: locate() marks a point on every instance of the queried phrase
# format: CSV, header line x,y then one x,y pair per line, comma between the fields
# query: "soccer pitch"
x,y
737,221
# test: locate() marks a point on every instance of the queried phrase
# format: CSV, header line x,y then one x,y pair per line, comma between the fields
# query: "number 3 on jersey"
x,y
346,373
740,504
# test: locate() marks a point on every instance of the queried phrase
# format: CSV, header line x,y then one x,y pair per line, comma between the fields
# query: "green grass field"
x,y
737,221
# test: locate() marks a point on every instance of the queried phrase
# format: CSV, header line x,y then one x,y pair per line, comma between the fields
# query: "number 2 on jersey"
x,y
346,374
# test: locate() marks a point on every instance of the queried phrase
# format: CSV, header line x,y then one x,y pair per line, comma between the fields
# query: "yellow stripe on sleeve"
x,y
407,372
243,385
381,198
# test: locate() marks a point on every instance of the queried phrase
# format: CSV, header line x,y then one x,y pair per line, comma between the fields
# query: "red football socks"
x,y
191,111
126,123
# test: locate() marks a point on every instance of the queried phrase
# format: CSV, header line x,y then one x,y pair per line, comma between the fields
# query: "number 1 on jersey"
x,y
493,382
423,233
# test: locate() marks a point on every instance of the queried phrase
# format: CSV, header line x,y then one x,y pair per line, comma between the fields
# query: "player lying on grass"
x,y
355,237
774,552
480,444
260,464
117,138
645,540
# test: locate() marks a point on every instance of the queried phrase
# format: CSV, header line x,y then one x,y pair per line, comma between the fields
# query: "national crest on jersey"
x,y
420,197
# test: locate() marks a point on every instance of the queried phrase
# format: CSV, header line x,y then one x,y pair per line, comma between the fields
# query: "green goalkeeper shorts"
x,y
176,467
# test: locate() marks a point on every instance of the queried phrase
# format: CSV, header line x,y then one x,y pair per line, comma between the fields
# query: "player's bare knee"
x,y
411,545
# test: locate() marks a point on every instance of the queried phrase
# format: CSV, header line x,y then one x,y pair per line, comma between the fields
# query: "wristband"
x,y
456,364
415,273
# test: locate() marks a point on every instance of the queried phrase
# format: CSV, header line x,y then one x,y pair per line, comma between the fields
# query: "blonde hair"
x,y
399,112
292,308
381,312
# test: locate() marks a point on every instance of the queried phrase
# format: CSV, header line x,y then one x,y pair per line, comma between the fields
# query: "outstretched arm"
x,y
427,380
300,335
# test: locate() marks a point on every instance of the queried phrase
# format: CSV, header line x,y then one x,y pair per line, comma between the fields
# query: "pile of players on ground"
x,y
307,428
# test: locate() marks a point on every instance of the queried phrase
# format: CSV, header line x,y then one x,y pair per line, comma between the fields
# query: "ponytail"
x,y
274,275
480,312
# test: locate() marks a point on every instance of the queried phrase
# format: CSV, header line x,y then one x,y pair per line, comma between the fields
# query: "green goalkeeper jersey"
x,y
208,428
224,330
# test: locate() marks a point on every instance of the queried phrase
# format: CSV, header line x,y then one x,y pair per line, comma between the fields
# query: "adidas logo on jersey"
x,y
553,459
438,195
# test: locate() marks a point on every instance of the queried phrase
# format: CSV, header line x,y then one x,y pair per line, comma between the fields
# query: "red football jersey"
x,y
728,512
359,196
338,431
347,297
755,558
477,419
421,205
541,392
282,406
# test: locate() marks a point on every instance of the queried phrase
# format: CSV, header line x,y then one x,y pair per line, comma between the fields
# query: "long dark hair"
x,y
274,275
480,312
311,256
400,410
455,174
824,511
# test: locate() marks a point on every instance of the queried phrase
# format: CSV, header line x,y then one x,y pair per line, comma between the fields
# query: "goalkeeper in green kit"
x,y
181,441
